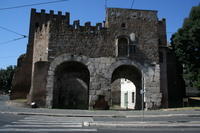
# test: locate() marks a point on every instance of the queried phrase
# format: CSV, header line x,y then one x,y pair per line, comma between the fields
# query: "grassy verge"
x,y
17,102
183,108
20,100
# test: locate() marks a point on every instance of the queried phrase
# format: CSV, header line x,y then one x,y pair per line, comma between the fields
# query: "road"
x,y
16,119
10,123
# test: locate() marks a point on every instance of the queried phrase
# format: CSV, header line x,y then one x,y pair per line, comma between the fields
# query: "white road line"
x,y
46,130
48,123
44,121
58,118
40,126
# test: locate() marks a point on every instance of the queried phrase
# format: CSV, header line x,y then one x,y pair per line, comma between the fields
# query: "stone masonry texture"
x,y
74,66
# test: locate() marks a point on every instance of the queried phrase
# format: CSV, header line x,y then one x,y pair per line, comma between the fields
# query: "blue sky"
x,y
85,10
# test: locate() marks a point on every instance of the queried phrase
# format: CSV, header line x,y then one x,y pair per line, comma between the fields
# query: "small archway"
x,y
71,86
133,78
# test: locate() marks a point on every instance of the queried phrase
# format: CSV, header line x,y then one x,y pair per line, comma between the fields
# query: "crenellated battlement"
x,y
43,15
38,19
87,26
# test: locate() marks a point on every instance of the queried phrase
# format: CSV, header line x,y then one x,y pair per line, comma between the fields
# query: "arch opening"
x,y
126,84
71,86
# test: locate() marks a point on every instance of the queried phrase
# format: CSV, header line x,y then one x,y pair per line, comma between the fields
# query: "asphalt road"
x,y
55,121
48,124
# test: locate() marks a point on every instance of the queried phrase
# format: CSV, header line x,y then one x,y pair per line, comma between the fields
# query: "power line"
x,y
106,1
35,4
132,4
12,31
13,40
6,57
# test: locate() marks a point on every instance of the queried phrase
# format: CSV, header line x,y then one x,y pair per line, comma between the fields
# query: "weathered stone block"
x,y
93,57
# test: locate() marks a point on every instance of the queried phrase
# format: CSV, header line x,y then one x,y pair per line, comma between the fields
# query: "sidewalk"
x,y
140,124
12,107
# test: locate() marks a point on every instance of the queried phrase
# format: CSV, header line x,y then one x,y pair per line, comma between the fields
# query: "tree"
x,y
186,45
6,76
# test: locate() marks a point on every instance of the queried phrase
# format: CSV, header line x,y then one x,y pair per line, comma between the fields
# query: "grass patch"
x,y
183,108
19,100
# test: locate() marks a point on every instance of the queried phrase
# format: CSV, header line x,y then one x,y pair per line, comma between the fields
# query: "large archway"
x,y
71,85
126,73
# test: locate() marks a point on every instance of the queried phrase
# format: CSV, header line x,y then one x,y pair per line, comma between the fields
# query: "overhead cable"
x,y
132,4
6,57
13,40
12,31
35,4
106,3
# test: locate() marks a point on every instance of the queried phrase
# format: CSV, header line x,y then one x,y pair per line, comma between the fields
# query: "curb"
x,y
99,115
142,124
60,115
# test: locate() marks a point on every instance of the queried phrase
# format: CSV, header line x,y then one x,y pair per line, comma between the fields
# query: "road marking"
x,y
48,123
45,121
46,130
58,118
40,126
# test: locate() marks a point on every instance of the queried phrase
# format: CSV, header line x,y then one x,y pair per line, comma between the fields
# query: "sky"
x,y
18,19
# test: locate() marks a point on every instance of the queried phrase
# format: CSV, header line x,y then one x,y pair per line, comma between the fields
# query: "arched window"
x,y
122,47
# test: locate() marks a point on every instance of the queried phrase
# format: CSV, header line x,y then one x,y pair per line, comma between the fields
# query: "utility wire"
x,y
16,39
132,4
6,57
12,31
35,4
106,3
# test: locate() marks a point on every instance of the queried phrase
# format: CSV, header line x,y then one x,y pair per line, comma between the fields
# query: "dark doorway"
x,y
122,47
71,85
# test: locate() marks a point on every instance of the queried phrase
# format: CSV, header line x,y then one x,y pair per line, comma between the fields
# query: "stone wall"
x,y
99,41
101,70
38,94
142,23
22,78
54,40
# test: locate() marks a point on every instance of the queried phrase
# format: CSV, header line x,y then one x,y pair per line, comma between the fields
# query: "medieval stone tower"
x,y
73,66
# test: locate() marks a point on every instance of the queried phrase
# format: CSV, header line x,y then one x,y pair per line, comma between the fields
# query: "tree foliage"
x,y
6,76
186,44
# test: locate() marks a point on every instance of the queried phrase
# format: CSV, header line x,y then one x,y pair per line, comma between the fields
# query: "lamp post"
x,y
142,102
142,91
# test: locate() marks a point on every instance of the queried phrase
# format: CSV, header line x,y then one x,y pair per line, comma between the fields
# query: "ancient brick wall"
x,y
22,78
140,22
98,41
52,39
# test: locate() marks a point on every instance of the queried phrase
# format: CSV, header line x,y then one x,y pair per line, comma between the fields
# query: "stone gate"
x,y
73,66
